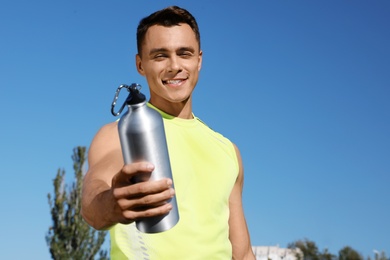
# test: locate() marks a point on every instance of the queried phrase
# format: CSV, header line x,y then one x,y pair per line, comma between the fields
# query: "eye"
x,y
160,56
185,54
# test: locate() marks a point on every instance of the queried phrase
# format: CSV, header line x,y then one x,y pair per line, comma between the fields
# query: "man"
x,y
206,167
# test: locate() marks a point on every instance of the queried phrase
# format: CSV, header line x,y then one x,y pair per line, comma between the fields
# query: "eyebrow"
x,y
190,49
157,50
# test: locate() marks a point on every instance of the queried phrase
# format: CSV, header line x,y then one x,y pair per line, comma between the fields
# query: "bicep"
x,y
105,155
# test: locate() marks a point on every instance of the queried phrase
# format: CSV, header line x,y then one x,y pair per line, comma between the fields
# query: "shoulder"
x,y
108,129
105,141
213,132
107,135
231,148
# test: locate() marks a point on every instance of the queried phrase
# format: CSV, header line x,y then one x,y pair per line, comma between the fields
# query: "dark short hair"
x,y
168,17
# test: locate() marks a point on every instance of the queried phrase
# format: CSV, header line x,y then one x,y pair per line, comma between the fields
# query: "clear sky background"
x,y
302,87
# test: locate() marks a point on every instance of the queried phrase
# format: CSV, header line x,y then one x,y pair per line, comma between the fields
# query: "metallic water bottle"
x,y
142,138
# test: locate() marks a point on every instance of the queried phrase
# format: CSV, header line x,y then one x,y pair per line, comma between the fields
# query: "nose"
x,y
174,64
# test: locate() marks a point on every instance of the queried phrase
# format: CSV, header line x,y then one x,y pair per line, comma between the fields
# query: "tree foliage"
x,y
310,250
69,236
348,253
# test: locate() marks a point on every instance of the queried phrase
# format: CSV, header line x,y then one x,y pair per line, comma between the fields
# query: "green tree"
x,y
326,255
310,250
348,253
70,237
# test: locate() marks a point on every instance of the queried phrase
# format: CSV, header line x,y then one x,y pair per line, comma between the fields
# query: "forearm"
x,y
239,237
238,232
98,205
244,253
248,256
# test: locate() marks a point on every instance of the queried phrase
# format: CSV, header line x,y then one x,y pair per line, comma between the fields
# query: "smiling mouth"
x,y
173,81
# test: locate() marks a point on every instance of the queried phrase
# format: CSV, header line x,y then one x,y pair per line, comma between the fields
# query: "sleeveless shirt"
x,y
204,169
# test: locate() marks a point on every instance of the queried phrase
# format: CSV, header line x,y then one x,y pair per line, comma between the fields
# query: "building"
x,y
276,253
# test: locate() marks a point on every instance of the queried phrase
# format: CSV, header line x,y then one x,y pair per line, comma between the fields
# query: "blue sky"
x,y
302,87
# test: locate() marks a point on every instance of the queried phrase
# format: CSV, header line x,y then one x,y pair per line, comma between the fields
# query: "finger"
x,y
133,168
131,215
125,175
146,202
141,189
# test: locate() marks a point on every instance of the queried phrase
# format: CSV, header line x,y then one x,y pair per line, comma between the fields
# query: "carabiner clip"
x,y
130,88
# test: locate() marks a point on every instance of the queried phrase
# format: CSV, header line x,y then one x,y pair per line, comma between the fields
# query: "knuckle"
x,y
127,169
116,193
122,204
146,200
149,213
142,188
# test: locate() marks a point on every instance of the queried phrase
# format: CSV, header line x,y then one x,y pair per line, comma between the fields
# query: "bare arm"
x,y
238,230
109,196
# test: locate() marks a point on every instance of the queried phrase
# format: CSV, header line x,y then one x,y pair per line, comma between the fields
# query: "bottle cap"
x,y
134,97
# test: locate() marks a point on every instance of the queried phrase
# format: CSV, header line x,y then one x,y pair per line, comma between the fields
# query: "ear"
x,y
138,64
200,60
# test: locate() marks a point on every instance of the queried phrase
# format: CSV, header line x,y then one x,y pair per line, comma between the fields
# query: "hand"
x,y
140,200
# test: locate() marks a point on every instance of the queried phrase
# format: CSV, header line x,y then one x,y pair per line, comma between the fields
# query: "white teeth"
x,y
173,81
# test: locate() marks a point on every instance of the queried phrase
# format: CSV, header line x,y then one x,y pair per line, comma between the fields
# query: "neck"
x,y
181,109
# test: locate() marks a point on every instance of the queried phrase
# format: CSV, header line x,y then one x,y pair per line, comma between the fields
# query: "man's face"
x,y
170,61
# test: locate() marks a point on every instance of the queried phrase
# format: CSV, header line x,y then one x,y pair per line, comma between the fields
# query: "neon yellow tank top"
x,y
204,168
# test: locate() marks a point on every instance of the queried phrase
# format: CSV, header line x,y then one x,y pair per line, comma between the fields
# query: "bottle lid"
x,y
135,95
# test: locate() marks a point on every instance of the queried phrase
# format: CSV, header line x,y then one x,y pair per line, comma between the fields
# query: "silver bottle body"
x,y
142,138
